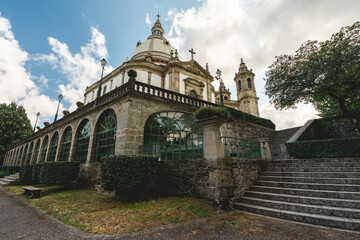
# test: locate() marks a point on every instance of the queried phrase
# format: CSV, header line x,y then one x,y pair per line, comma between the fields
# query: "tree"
x,y
326,74
14,126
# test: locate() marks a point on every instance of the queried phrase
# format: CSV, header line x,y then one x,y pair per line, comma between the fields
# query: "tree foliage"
x,y
326,74
14,125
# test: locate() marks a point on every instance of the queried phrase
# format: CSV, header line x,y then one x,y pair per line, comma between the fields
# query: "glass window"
x,y
66,144
105,134
82,141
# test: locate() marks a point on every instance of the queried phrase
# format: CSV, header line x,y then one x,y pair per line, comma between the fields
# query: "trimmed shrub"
x,y
3,173
13,169
36,169
330,148
25,174
133,176
59,173
207,112
231,114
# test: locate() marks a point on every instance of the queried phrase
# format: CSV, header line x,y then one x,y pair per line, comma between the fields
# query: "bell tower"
x,y
245,88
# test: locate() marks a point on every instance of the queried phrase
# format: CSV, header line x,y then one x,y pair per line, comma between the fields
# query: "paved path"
x,y
20,220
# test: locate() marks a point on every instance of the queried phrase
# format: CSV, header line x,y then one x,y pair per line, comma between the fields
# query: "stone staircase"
x,y
278,140
323,192
9,180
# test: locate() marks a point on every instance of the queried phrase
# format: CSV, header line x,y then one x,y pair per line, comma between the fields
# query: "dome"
x,y
156,46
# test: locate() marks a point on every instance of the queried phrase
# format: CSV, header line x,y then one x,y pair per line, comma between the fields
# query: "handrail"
x,y
243,148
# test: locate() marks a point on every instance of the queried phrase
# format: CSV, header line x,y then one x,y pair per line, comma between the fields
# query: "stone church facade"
x,y
114,122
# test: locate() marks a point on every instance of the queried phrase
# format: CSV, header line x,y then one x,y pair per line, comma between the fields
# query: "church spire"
x,y
157,30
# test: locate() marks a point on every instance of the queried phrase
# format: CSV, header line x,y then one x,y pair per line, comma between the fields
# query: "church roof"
x,y
156,46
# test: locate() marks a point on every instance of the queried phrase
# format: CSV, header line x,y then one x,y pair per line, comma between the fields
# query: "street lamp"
x,y
37,116
59,97
218,77
103,64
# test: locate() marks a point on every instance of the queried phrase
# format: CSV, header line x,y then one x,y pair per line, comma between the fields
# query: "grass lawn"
x,y
94,213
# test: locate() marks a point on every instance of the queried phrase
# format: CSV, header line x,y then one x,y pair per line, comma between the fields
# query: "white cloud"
x,y
288,118
80,69
222,32
16,83
147,19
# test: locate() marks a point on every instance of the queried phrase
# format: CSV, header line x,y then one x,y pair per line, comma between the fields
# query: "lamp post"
x,y
103,64
37,117
218,77
60,97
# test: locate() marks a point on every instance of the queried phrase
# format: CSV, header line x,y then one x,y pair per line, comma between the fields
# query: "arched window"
x,y
27,160
225,98
66,143
239,84
18,160
53,146
249,83
37,149
45,146
82,141
105,134
173,135
23,157
192,94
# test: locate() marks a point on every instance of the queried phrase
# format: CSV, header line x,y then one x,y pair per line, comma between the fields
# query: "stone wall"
x,y
200,178
245,130
329,128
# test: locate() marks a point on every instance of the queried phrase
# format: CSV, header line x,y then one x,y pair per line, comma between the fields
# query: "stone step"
x,y
312,186
316,160
331,202
304,208
312,169
314,174
307,192
316,165
322,220
12,177
352,181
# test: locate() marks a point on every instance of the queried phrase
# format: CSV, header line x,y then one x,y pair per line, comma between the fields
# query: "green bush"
x,y
231,114
25,174
207,112
59,173
36,169
346,147
13,169
133,176
3,173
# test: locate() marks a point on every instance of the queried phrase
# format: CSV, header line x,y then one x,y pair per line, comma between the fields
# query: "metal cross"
x,y
192,54
158,16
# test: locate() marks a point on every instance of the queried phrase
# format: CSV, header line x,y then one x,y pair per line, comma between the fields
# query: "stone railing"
x,y
170,95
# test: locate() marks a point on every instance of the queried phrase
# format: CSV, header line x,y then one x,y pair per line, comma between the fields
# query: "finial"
x,y
242,60
158,17
127,59
171,54
207,67
176,54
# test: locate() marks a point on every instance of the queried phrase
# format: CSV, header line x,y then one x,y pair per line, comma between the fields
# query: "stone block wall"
x,y
245,130
330,128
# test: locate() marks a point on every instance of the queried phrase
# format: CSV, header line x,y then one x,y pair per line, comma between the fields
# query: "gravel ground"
x,y
20,220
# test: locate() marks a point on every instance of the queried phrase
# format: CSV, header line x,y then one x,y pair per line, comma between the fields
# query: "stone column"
x,y
220,181
265,153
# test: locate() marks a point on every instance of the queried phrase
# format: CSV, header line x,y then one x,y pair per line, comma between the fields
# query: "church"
x,y
124,112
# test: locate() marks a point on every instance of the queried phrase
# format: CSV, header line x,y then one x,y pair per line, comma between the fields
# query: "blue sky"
x,y
48,47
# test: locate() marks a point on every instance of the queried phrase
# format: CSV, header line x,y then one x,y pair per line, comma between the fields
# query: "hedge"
x,y
347,147
231,114
133,176
36,169
59,173
25,174
13,169
3,173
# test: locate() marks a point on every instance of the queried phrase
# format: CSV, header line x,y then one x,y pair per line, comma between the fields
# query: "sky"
x,y
49,47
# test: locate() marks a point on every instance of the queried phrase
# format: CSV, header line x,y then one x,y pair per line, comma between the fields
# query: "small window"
x,y
249,83
239,83
193,94
226,98
104,91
